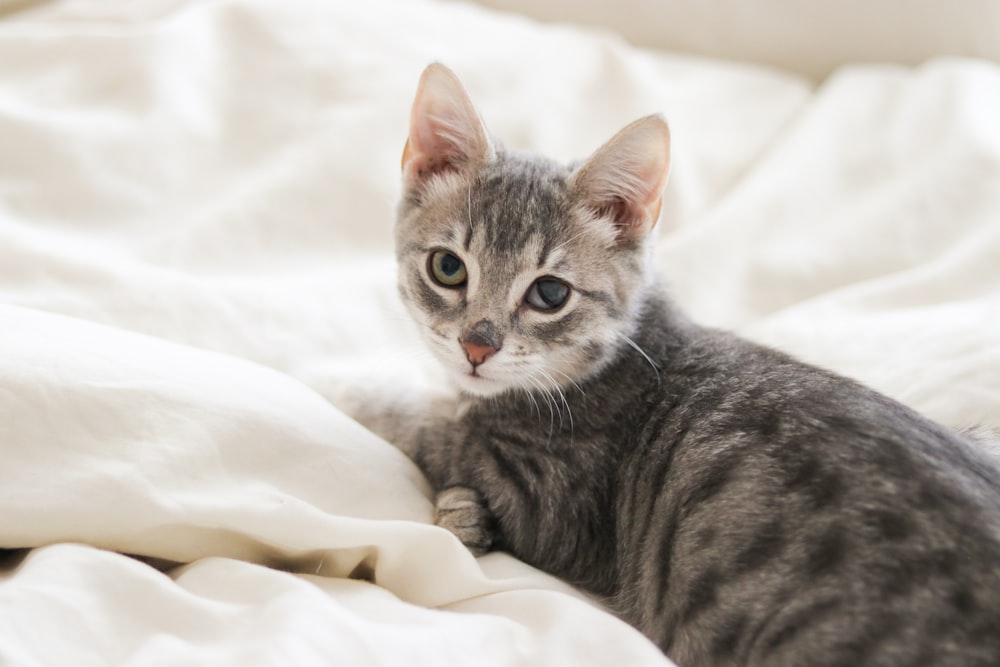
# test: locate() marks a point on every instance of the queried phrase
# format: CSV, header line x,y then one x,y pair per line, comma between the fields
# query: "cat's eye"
x,y
446,269
547,294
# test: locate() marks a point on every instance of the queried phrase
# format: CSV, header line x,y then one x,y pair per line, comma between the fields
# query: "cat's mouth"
x,y
472,381
476,376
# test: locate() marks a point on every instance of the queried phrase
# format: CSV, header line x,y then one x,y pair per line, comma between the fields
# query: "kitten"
x,y
735,505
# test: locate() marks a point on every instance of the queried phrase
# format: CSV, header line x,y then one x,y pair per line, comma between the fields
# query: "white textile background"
x,y
195,218
811,38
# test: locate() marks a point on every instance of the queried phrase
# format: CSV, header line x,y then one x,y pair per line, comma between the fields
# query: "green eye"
x,y
446,269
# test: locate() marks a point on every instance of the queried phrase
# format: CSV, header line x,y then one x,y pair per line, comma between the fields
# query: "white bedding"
x,y
195,218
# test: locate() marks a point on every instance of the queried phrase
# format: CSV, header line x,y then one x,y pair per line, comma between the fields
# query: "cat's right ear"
x,y
446,133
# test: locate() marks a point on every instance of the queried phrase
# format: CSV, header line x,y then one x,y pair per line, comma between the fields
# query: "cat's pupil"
x,y
450,265
447,269
552,293
547,294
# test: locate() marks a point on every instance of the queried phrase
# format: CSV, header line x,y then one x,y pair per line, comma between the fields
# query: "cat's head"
x,y
522,273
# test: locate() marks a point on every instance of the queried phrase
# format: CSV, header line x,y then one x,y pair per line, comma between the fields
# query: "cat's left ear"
x,y
446,133
624,179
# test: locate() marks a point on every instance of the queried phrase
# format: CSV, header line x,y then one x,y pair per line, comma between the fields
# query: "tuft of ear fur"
x,y
624,179
446,132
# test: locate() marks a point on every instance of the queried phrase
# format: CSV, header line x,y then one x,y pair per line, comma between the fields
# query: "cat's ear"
x,y
624,179
446,133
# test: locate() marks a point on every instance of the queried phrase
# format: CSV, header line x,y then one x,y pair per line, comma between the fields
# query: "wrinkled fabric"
x,y
196,205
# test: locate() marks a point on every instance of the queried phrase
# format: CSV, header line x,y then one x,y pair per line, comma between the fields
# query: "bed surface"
x,y
196,203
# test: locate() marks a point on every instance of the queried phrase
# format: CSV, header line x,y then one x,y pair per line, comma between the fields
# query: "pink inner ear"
x,y
433,165
619,211
419,166
446,133
433,148
631,220
624,179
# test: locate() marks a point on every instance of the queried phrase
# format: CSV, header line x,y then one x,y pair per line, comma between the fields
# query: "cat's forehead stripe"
x,y
545,250
513,202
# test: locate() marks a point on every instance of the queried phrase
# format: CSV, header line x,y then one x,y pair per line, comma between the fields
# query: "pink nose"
x,y
477,354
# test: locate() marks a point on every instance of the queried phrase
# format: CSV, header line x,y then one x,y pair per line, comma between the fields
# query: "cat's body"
x,y
737,506
743,509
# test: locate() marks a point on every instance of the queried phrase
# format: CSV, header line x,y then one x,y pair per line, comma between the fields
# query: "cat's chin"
x,y
477,385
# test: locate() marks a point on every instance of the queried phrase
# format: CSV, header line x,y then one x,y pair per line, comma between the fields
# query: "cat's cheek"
x,y
446,350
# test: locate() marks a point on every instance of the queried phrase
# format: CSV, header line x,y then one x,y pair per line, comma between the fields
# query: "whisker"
x,y
468,207
645,356
549,402
531,397
562,397
527,392
570,380
557,398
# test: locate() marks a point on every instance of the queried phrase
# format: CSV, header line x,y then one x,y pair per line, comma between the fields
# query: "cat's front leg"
x,y
426,426
464,512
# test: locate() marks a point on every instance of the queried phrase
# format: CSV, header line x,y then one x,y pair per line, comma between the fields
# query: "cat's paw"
x,y
464,512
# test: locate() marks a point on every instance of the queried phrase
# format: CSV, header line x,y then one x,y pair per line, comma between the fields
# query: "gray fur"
x,y
737,506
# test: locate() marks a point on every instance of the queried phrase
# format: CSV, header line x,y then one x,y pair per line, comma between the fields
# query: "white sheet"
x,y
195,213
812,38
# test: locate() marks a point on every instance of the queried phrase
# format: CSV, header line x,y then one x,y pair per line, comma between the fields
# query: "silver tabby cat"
x,y
735,505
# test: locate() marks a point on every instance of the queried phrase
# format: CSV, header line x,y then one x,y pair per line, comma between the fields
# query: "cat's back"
x,y
777,514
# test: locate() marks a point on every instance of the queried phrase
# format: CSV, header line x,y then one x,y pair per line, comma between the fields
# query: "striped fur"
x,y
737,506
